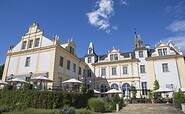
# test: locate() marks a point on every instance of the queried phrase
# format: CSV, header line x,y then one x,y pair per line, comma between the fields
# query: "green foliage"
x,y
179,97
20,99
8,87
1,71
96,104
156,85
84,111
83,90
116,99
133,91
27,86
68,110
90,93
110,106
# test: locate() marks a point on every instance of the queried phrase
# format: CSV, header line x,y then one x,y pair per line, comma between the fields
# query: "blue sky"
x,y
106,23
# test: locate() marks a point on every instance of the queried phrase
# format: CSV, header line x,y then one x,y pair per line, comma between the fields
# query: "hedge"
x,y
20,99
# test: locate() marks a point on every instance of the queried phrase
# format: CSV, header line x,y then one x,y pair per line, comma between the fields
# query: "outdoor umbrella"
x,y
96,92
17,80
3,82
113,91
163,90
72,81
41,79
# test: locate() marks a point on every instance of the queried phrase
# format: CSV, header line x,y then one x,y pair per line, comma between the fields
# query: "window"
x,y
74,67
142,69
68,64
30,44
37,42
144,88
165,51
113,57
84,72
89,59
165,67
140,54
71,50
27,63
24,45
90,51
79,72
114,71
61,61
103,71
125,70
89,73
160,52
114,86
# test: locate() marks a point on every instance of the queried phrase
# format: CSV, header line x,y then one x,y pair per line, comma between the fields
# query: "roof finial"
x,y
135,31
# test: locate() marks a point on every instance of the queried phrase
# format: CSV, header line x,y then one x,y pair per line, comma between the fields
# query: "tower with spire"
x,y
138,43
91,56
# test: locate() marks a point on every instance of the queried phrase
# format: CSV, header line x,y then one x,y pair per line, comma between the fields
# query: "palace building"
x,y
37,55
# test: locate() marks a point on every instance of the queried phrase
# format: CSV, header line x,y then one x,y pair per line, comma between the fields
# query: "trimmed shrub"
x,y
96,104
68,110
116,99
27,86
22,99
179,97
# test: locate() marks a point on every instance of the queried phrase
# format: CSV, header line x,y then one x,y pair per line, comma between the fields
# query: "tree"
x,y
1,71
156,85
133,91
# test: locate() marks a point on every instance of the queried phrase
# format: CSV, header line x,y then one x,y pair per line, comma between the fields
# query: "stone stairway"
x,y
149,109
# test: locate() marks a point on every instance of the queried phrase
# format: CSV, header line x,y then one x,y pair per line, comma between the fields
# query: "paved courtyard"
x,y
149,109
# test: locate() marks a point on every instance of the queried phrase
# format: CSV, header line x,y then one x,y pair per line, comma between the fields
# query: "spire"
x,y
91,48
138,41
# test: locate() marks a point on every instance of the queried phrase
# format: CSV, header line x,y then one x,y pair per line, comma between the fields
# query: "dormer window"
x,y
71,50
90,51
113,57
162,52
24,45
37,42
30,44
89,59
165,51
140,54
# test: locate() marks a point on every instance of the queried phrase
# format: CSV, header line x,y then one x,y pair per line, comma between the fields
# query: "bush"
x,y
7,87
27,86
84,111
179,97
96,104
20,99
68,110
110,107
116,99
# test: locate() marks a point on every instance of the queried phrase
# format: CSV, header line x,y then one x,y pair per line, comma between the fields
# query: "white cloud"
x,y
100,18
177,26
115,27
124,2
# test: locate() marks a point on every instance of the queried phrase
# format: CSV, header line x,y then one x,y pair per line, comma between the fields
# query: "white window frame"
x,y
114,69
165,67
27,62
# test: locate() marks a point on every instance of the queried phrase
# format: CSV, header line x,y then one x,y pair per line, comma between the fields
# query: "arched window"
x,y
126,88
103,88
114,86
